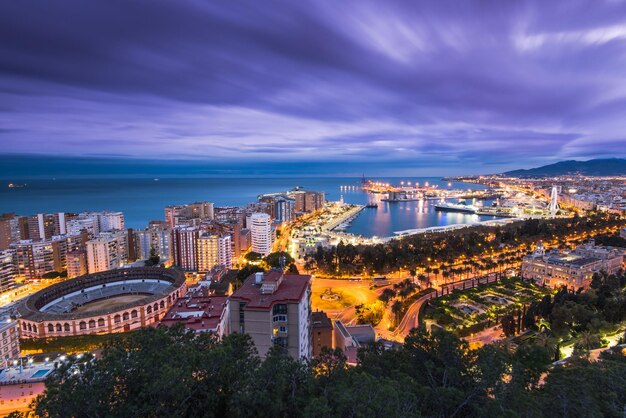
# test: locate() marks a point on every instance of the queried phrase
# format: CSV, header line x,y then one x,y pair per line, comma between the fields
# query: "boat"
x,y
402,199
455,207
372,205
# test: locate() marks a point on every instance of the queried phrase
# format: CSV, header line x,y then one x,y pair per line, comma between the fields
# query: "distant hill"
x,y
598,167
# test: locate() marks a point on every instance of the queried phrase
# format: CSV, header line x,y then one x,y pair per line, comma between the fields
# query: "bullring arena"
x,y
111,301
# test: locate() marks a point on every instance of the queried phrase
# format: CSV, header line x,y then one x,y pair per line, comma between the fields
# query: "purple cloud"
x,y
470,84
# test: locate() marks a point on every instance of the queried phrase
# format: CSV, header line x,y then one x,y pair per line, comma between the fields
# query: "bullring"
x,y
100,303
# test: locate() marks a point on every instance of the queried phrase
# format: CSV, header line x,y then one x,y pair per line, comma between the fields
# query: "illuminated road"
x,y
411,318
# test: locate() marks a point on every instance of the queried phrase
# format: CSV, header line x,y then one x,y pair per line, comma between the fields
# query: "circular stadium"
x,y
111,301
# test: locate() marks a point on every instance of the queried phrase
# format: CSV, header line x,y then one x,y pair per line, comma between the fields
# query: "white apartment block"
x,y
111,221
261,233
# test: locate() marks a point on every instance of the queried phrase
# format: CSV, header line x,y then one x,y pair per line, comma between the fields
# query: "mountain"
x,y
598,167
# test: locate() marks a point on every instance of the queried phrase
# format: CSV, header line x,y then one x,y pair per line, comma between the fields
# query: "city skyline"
x,y
399,89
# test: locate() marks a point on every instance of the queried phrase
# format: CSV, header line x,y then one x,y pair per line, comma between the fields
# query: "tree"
x,y
508,325
396,309
253,256
245,272
386,295
278,259
154,258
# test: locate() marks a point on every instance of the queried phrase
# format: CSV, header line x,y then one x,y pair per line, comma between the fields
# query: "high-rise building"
x,y
107,251
6,236
157,236
180,215
214,250
275,310
76,263
33,259
83,223
184,247
132,245
261,233
7,270
110,221
284,209
45,226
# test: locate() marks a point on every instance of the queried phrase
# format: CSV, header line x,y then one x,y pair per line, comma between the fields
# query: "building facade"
x,y
275,310
76,263
321,332
7,270
56,310
571,269
184,247
107,251
9,340
261,233
180,215
214,250
157,237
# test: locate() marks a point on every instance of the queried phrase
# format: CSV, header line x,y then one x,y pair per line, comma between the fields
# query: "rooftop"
x,y
196,311
319,319
285,288
25,373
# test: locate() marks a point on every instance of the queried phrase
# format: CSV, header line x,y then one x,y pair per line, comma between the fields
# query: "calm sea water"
x,y
144,199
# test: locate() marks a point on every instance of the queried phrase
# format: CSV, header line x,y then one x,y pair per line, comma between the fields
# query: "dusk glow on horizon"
x,y
442,86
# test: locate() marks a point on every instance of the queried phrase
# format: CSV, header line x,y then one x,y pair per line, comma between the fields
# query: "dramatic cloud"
x,y
473,86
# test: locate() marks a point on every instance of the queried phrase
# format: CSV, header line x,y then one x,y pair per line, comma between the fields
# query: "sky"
x,y
337,87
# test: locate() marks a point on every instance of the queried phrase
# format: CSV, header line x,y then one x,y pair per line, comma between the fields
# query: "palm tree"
x,y
396,309
587,340
545,340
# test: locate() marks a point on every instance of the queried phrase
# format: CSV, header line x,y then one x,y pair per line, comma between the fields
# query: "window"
x,y
149,310
162,304
125,316
50,328
82,325
280,342
66,327
155,307
117,319
280,309
101,322
133,313
92,323
242,317
279,318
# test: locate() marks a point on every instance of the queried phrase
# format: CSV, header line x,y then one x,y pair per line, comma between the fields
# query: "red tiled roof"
x,y
290,290
197,313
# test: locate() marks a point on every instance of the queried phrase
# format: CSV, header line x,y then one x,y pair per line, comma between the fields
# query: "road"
x,y
411,318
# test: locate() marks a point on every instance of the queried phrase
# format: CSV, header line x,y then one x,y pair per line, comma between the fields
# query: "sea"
x,y
143,199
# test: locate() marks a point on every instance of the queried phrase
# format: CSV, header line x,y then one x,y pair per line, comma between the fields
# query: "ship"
x,y
372,205
455,207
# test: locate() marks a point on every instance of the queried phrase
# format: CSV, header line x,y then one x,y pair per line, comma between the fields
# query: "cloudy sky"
x,y
415,87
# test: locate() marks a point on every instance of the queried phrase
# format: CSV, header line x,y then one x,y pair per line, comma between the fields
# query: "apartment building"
x,y
275,310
